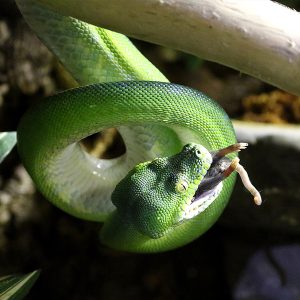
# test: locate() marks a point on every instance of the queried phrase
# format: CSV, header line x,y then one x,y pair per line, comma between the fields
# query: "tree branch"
x,y
259,38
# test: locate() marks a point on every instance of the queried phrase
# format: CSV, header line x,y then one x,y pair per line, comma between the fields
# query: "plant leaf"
x,y
7,142
16,287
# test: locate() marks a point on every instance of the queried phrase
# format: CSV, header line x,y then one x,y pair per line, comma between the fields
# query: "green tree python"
x,y
168,188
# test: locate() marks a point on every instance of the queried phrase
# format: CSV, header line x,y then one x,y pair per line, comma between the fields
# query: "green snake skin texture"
x,y
125,91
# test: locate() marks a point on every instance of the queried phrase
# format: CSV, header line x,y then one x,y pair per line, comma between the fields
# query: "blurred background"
x,y
251,253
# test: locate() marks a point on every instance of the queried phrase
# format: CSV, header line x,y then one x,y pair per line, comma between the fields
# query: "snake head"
x,y
156,196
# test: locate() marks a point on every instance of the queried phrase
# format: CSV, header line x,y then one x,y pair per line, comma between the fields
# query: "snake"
x,y
169,187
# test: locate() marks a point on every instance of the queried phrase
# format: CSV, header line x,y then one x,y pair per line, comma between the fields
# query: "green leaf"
x,y
7,142
16,287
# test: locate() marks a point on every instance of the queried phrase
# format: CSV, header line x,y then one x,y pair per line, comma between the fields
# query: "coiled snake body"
x,y
151,207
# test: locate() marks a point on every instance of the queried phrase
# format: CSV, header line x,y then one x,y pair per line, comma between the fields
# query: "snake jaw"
x,y
198,205
209,188
211,185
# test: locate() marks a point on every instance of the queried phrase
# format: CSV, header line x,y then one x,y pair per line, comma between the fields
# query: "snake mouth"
x,y
211,185
220,169
201,202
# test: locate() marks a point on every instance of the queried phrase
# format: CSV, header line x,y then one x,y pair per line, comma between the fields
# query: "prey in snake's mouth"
x,y
211,185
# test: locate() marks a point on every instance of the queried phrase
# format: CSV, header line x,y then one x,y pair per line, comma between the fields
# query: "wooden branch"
x,y
287,135
260,38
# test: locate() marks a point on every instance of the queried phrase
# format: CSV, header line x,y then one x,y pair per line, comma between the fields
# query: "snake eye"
x,y
181,186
